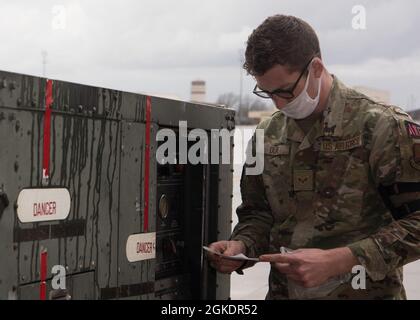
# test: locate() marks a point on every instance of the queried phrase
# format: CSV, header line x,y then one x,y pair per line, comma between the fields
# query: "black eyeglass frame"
x,y
284,94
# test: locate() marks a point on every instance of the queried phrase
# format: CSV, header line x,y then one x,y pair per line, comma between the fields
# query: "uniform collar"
x,y
334,112
294,132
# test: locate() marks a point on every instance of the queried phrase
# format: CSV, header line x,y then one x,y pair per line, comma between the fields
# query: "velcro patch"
x,y
413,129
342,145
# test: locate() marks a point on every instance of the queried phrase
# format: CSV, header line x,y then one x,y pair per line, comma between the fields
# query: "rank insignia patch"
x,y
303,180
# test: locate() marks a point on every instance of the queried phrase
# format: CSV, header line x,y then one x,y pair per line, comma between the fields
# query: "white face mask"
x,y
303,105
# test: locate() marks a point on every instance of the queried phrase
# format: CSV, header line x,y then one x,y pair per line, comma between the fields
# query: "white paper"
x,y
238,257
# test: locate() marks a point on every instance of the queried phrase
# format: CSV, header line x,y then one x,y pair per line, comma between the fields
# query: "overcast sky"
x,y
159,46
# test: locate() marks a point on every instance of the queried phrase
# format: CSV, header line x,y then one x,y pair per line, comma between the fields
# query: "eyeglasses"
x,y
280,93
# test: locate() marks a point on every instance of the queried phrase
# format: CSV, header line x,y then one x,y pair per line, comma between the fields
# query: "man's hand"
x,y
227,248
313,267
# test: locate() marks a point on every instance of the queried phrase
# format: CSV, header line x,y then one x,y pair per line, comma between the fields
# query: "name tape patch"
x,y
276,150
342,145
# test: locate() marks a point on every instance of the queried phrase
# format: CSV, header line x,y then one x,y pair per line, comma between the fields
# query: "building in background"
x,y
377,95
198,91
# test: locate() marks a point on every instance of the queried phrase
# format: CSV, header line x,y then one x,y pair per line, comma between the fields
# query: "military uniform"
x,y
352,181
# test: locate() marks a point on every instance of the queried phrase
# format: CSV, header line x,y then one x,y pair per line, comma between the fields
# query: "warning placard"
x,y
141,246
46,204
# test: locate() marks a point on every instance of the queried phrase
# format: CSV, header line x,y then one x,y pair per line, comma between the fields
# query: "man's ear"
x,y
318,67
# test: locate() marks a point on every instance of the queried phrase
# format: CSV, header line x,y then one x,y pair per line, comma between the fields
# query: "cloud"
x,y
390,32
383,69
161,45
401,77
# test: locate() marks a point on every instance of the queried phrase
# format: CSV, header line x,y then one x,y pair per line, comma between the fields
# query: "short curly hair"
x,y
281,39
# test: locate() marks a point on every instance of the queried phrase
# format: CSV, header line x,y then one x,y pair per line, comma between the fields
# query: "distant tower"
x,y
198,91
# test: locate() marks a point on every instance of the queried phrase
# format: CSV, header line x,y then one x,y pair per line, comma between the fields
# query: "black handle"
x,y
4,202
59,294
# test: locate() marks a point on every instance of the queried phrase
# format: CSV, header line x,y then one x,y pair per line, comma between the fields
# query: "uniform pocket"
x,y
342,180
277,177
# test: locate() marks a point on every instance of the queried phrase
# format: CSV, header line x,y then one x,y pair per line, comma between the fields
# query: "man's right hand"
x,y
227,248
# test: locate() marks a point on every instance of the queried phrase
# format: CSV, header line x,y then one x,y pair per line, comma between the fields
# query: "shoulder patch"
x,y
415,160
416,152
413,129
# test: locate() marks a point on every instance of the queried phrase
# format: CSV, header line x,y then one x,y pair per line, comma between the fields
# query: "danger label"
x,y
141,246
145,247
45,208
44,204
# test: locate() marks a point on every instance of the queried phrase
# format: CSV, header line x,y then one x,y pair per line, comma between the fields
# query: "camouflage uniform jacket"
x,y
321,190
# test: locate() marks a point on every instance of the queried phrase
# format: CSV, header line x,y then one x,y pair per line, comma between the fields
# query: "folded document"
x,y
238,257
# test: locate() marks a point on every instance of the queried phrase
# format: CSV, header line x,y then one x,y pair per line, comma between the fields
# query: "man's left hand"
x,y
312,267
